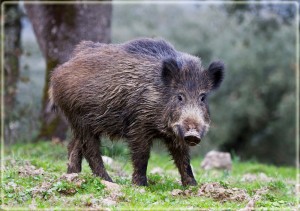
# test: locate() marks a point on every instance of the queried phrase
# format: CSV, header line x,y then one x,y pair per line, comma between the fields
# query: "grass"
x,y
25,185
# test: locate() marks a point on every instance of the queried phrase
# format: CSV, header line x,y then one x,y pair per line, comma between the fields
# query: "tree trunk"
x,y
12,51
59,28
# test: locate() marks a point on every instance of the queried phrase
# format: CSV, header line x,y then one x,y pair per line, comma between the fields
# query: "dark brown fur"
x,y
140,90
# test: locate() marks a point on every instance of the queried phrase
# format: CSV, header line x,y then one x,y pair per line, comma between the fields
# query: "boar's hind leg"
x,y
140,153
74,156
181,158
91,152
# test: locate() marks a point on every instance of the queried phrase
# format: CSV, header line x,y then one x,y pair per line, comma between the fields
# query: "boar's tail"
x,y
53,107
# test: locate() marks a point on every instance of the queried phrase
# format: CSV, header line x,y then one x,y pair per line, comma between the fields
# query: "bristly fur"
x,y
53,106
131,91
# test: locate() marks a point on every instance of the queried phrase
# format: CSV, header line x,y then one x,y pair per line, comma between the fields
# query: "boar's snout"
x,y
192,137
191,133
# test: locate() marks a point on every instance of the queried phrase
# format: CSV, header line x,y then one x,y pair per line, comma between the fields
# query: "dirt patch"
x,y
94,203
257,196
113,189
109,202
68,184
178,192
89,200
74,182
33,205
41,189
259,193
74,178
30,170
218,192
12,187
49,187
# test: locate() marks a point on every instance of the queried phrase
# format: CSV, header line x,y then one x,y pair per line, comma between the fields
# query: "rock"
x,y
156,170
217,160
107,160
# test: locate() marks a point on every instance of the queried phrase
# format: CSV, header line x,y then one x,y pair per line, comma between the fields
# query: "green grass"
x,y
46,189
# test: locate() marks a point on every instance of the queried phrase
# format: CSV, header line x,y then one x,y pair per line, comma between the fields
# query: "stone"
x,y
217,160
107,160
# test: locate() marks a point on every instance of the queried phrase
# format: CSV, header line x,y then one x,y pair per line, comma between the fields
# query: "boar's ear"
x,y
170,70
216,73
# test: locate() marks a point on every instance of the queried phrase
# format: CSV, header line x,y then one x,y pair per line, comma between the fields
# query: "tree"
x,y
12,32
59,28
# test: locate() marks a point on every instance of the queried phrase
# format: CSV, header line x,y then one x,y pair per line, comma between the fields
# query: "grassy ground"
x,y
33,178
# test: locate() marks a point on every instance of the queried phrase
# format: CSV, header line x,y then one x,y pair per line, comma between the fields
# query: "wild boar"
x,y
139,91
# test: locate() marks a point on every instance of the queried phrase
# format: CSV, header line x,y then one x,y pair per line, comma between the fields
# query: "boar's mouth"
x,y
192,137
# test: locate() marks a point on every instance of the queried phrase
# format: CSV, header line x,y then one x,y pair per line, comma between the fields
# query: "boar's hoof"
x,y
104,176
108,179
189,182
139,180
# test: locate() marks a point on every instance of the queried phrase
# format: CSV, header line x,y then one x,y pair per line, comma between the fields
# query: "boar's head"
x,y
187,86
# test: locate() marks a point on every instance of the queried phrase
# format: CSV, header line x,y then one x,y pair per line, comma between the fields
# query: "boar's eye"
x,y
180,98
202,97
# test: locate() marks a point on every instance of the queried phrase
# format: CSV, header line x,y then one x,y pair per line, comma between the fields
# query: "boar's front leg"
x,y
181,158
140,153
91,152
